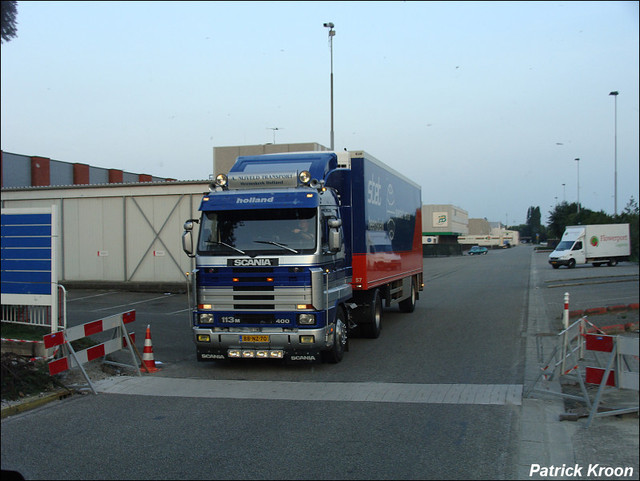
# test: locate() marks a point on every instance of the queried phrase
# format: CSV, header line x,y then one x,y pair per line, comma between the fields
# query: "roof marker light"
x,y
221,180
305,177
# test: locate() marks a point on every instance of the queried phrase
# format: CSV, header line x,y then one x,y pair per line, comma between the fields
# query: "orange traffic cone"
x,y
148,362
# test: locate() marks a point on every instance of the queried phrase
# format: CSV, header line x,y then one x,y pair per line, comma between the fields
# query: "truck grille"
x,y
254,288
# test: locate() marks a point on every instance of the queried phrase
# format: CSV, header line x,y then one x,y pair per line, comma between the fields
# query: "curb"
x,y
593,311
35,402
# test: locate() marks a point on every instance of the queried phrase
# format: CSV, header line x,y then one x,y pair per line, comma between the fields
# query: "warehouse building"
x,y
442,224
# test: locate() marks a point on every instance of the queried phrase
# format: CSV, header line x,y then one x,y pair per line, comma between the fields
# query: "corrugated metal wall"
x,y
126,235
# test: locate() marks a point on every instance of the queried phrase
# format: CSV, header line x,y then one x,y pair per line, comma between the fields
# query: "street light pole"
x,y
577,159
564,193
332,33
274,132
615,152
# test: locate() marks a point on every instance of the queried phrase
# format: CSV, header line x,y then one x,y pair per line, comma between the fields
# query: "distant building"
x,y
225,157
489,234
441,226
479,227
443,223
19,171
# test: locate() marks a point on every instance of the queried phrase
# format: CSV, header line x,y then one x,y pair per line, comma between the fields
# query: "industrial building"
x,y
37,171
118,229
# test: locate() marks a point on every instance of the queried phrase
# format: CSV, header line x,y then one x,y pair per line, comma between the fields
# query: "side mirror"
x,y
187,238
335,235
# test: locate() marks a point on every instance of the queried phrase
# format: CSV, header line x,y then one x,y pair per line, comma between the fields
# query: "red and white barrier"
x,y
77,359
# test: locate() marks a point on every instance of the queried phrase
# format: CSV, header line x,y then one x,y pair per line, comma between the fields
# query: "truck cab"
x,y
270,275
570,250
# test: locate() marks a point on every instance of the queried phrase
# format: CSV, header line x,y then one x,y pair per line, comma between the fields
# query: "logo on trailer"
x,y
594,241
390,197
373,191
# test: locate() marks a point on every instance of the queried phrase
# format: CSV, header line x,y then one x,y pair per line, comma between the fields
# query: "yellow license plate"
x,y
254,338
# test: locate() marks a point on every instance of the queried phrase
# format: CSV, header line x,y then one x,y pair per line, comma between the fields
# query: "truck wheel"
x,y
555,266
335,354
572,263
371,317
613,262
409,304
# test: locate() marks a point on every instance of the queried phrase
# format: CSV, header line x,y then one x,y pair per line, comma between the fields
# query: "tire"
x,y
336,353
409,304
613,262
555,266
572,263
370,317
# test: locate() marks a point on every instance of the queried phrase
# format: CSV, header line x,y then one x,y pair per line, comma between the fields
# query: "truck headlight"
x,y
206,318
306,319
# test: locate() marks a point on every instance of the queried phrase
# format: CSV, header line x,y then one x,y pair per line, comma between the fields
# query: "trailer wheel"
x,y
335,354
613,262
370,320
409,304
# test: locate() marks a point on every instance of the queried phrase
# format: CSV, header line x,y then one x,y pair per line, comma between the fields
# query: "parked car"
x,y
477,250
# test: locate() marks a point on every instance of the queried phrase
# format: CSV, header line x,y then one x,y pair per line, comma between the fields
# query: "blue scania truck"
x,y
295,252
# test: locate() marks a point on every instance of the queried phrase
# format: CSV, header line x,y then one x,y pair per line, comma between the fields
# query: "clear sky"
x,y
485,104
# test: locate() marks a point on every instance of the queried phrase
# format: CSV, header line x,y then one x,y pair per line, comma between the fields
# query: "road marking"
x,y
132,303
91,296
478,394
186,309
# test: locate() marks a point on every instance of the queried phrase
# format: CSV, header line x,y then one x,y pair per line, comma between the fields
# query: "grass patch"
x,y
12,330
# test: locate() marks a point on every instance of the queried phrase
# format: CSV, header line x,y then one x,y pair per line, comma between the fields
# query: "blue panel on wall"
x,y
26,254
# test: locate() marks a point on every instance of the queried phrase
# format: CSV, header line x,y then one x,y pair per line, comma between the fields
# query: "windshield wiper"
x,y
278,245
230,247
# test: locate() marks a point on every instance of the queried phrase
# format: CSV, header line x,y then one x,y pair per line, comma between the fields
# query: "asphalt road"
x,y
467,333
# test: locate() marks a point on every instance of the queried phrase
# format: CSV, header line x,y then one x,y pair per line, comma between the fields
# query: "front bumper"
x,y
294,344
559,262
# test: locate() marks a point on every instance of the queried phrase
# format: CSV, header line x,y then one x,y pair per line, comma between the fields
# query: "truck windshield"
x,y
258,232
564,246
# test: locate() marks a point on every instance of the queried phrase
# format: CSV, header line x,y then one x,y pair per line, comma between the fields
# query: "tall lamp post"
x,y
564,193
577,159
615,152
274,132
332,33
